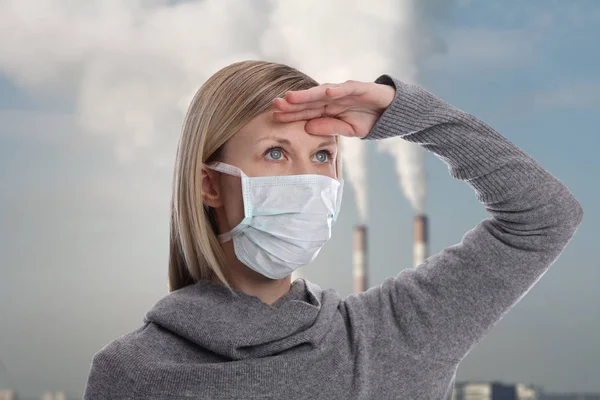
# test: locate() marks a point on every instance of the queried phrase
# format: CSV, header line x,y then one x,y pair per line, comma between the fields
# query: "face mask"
x,y
287,220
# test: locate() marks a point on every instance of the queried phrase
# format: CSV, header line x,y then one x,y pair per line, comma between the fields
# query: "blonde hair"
x,y
226,102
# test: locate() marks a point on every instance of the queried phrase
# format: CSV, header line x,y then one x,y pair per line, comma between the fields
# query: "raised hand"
x,y
350,109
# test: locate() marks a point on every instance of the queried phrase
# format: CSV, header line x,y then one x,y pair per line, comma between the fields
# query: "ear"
x,y
210,188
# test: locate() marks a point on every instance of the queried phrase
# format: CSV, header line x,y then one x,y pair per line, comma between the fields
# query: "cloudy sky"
x,y
92,96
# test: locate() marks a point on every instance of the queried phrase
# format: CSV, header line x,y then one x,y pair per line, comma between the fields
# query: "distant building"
x,y
528,392
48,395
8,395
570,396
60,396
493,391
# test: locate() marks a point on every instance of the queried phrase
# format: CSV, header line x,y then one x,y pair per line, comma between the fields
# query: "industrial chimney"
x,y
359,259
421,239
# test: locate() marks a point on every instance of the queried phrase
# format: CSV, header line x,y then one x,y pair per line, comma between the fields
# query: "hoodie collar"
x,y
208,315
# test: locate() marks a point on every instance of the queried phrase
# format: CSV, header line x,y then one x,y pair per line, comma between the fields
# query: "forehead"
x,y
263,125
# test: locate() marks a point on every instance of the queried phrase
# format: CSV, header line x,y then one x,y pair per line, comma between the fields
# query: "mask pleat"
x,y
298,252
293,227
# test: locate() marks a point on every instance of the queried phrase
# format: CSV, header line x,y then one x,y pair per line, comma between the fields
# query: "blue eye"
x,y
323,156
275,153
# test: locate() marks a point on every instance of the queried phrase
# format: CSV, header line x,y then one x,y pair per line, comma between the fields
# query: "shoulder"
x,y
114,366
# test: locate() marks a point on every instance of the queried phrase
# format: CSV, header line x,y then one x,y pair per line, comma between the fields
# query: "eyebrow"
x,y
288,143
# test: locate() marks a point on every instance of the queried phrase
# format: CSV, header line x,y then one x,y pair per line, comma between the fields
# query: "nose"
x,y
302,167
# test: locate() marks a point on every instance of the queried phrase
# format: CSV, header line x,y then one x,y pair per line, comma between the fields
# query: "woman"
x,y
257,187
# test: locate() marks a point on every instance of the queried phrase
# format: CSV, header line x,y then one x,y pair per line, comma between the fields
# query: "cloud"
x,y
132,66
578,95
35,124
483,49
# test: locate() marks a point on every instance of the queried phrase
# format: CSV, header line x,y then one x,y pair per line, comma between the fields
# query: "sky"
x,y
92,97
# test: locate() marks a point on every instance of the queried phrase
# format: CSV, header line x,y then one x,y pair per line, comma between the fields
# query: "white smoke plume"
x,y
354,166
133,66
343,40
410,167
421,43
356,40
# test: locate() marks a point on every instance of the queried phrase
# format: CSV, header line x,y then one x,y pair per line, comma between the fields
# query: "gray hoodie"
x,y
402,339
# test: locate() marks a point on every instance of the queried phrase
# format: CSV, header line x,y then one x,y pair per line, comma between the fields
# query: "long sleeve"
x,y
108,377
443,308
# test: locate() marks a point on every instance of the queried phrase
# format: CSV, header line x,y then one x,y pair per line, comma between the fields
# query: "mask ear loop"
x,y
221,167
235,171
224,237
225,168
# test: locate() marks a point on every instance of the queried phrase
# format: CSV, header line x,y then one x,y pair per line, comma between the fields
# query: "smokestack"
x,y
359,259
421,239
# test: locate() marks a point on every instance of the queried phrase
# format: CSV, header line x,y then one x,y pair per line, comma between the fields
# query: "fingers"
x,y
326,92
298,115
333,93
328,127
328,110
285,106
307,95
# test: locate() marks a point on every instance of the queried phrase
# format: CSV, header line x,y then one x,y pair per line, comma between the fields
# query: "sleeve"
x,y
445,306
107,378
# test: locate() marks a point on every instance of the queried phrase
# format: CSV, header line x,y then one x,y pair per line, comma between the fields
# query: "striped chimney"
x,y
359,259
421,239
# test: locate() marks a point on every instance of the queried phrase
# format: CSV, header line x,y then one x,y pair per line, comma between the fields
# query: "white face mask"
x,y
287,219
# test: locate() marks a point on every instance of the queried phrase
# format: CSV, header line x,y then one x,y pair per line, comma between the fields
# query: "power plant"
x,y
421,240
360,250
359,259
